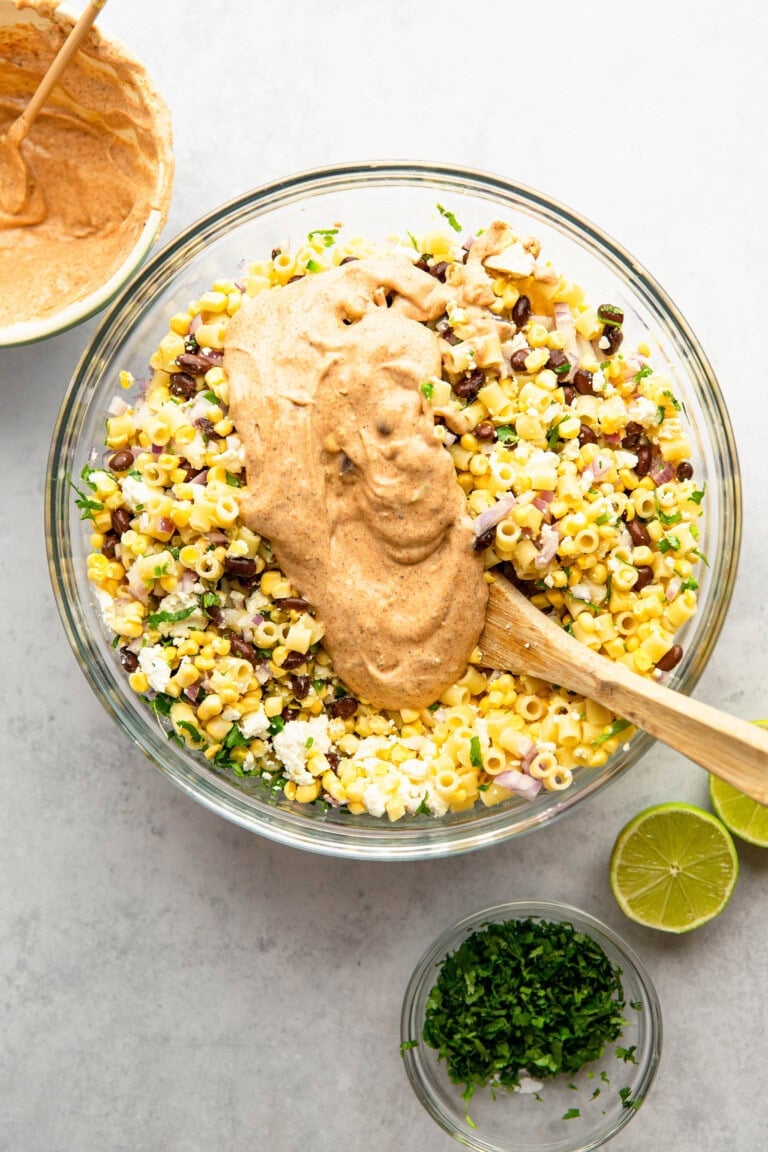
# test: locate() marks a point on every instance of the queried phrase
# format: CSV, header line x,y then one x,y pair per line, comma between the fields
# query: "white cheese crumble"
x,y
643,411
515,260
292,746
254,724
176,602
136,492
154,666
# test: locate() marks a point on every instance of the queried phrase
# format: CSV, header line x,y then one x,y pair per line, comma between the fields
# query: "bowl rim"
x,y
214,792
424,972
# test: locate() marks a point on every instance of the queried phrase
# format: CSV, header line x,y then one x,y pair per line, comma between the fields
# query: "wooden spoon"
x,y
19,197
519,638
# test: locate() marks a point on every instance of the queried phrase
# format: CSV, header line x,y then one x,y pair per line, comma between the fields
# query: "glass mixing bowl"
x,y
375,200
606,1093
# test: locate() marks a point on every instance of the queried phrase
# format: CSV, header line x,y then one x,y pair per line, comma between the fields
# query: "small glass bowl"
x,y
607,1093
376,200
32,330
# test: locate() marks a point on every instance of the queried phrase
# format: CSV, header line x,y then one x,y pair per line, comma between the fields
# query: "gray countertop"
x,y
171,982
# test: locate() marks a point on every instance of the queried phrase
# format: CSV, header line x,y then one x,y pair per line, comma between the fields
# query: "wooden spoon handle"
x,y
732,749
20,128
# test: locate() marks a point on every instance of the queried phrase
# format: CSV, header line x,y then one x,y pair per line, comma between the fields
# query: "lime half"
x,y
744,816
673,867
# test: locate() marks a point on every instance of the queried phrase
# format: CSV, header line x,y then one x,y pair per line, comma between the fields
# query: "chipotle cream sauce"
x,y
100,158
347,479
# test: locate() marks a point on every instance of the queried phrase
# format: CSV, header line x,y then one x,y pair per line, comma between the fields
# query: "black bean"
x,y
558,362
129,660
644,577
519,358
485,430
349,260
333,758
215,356
243,649
343,708
586,435
121,520
569,394
294,279
215,615
121,461
182,385
582,382
439,271
240,566
638,532
422,264
670,659
484,540
191,345
297,603
276,252
299,685
684,470
610,341
521,312
450,336
294,660
205,425
193,362
470,385
610,315
289,713
111,541
633,434
643,466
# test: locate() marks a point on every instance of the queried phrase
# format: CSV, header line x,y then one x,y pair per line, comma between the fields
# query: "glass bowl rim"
x,y
552,910
216,793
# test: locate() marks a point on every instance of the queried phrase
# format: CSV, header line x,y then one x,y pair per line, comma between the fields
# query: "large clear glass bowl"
x,y
606,1093
376,200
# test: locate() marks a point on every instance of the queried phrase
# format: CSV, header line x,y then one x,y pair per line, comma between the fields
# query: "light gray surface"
x,y
170,982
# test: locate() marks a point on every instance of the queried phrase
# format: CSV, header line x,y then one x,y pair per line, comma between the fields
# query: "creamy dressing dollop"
x,y
347,478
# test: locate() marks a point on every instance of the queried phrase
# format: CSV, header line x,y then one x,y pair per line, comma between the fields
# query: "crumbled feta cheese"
x,y
154,666
292,749
435,803
515,260
136,492
643,411
176,602
373,798
255,724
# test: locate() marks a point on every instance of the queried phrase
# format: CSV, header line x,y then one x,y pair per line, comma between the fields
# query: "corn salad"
x,y
574,458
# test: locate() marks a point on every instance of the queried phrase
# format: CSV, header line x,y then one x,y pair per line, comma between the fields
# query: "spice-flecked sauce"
x,y
347,479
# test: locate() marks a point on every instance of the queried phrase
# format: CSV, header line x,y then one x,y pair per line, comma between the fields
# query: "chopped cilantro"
x,y
571,1114
318,685
506,434
156,618
673,401
84,503
313,266
194,733
668,543
522,994
701,557
413,240
604,519
661,410
637,1005
407,1045
449,216
613,730
698,495
689,585
665,519
233,481
211,397
475,753
646,370
433,707
595,1094
568,628
624,1094
161,704
627,1054
326,235
604,1077
210,600
276,725
310,742
423,809
553,435
428,389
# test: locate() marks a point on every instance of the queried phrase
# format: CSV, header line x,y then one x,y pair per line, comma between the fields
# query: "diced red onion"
x,y
519,783
662,472
449,438
468,243
257,619
136,585
165,524
117,407
262,673
550,540
156,449
195,323
200,478
494,515
93,456
612,438
188,578
566,327
673,587
217,537
528,756
192,692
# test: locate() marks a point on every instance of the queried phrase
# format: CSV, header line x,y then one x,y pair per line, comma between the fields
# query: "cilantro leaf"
x,y
156,618
326,235
449,216
428,389
506,434
475,752
613,730
571,1114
